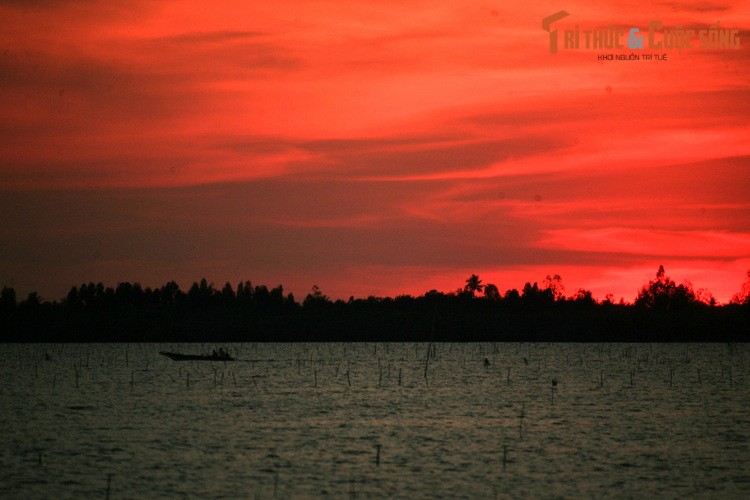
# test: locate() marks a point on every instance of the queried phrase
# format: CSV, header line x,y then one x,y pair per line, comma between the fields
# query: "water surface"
x,y
307,420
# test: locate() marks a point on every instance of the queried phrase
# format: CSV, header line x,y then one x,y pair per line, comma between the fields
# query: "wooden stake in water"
x,y
187,380
276,483
427,359
505,455
315,374
348,380
601,378
509,376
399,377
520,422
109,484
700,382
377,455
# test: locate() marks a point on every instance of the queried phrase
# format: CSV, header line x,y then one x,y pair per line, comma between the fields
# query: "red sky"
x,y
383,148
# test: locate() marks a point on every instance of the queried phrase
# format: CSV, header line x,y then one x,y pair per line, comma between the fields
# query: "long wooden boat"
x,y
197,357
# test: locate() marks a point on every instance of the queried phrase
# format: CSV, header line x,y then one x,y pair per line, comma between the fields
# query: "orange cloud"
x,y
669,244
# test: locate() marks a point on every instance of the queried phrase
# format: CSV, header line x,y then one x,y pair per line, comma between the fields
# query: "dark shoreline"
x,y
469,322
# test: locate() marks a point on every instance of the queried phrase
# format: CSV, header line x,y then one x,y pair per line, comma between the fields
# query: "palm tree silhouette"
x,y
473,284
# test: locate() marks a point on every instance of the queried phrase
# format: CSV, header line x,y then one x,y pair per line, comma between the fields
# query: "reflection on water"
x,y
307,420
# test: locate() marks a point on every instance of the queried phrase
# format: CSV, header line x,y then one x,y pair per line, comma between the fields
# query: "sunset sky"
x,y
373,148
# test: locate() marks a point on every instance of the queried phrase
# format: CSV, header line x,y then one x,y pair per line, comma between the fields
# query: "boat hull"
x,y
195,357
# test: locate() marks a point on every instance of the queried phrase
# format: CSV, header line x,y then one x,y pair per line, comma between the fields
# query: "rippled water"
x,y
307,420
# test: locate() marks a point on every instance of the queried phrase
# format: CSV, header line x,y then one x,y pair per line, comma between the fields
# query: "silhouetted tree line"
x,y
662,311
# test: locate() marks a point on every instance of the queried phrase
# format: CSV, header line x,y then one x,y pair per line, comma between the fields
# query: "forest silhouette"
x,y
663,311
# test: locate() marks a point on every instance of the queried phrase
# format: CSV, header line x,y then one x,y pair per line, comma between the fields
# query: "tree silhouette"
x,y
245,292
32,301
743,296
535,296
662,293
473,285
491,292
584,297
554,284
8,299
704,296
200,295
169,294
663,310
227,294
512,297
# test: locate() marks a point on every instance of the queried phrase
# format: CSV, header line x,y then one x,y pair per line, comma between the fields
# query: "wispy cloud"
x,y
207,37
651,242
697,6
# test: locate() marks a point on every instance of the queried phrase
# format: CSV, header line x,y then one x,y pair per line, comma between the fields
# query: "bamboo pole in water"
x,y
109,484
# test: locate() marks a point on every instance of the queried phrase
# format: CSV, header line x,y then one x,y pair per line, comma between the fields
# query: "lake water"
x,y
362,420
